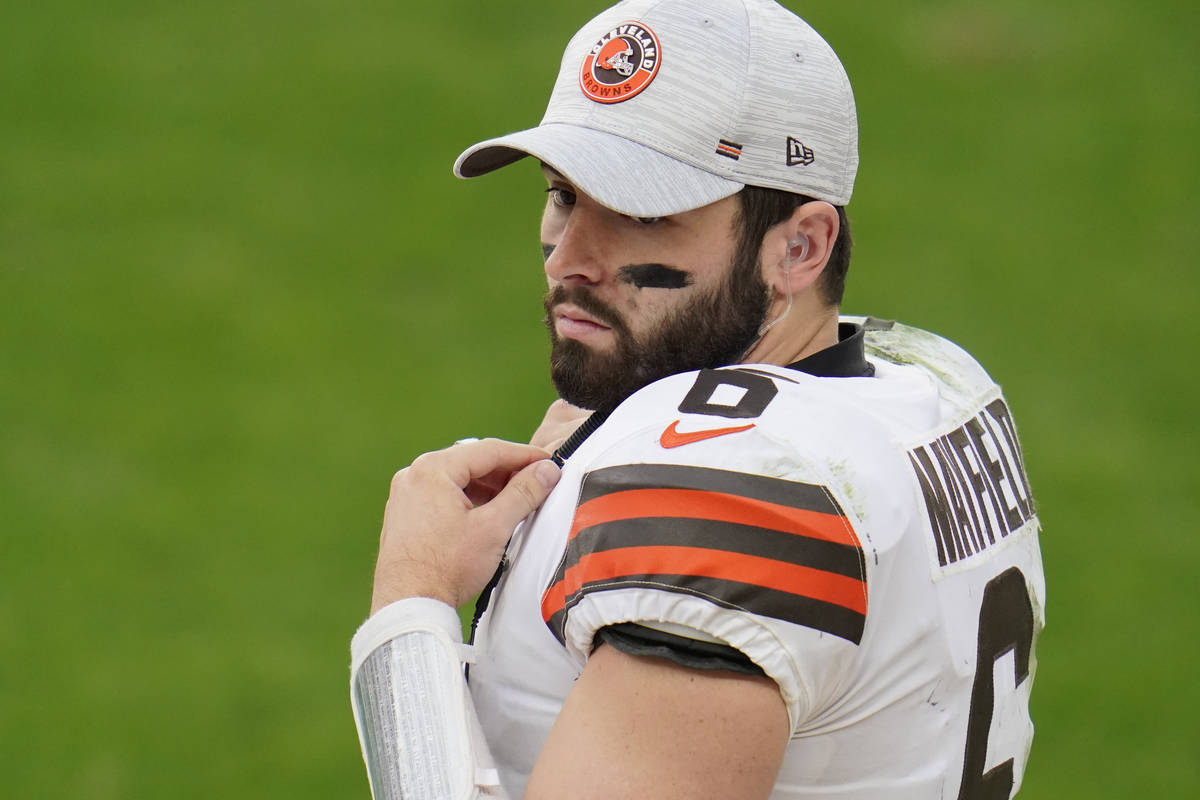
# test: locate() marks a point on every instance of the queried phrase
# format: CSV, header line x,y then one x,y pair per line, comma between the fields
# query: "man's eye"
x,y
648,220
561,197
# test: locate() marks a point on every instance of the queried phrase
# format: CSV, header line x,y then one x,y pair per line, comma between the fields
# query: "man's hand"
x,y
450,515
560,421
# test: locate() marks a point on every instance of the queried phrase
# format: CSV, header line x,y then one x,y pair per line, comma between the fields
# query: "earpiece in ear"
x,y
801,243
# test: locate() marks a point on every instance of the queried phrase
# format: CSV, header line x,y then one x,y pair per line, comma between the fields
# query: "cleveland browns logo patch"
x,y
621,64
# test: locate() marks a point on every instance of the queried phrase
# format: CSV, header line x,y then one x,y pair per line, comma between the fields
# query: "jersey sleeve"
x,y
767,565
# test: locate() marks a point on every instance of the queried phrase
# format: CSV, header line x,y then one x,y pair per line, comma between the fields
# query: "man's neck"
x,y
798,335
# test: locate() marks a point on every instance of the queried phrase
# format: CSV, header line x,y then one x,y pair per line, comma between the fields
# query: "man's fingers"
x,y
464,463
477,495
526,491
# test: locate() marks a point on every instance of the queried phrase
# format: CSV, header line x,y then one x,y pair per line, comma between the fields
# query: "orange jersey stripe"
x,y
701,562
699,504
554,600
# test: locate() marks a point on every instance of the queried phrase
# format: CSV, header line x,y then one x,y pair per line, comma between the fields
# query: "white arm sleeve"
x,y
417,726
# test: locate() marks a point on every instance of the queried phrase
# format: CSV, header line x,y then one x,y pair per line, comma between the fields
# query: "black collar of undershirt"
x,y
846,359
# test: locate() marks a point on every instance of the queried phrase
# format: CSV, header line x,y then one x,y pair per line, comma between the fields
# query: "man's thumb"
x,y
522,495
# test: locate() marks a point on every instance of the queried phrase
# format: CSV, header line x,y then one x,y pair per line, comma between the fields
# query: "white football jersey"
x,y
870,543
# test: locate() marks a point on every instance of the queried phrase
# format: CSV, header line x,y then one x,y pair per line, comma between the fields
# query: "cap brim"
x,y
619,174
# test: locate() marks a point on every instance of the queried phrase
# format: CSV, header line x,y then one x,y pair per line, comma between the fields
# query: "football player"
x,y
788,554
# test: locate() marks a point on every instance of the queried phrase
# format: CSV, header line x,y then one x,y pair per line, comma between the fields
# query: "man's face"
x,y
634,300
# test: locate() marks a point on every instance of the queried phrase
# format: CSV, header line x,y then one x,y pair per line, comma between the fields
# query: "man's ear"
x,y
795,252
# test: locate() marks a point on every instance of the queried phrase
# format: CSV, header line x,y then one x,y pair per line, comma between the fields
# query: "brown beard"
x,y
712,329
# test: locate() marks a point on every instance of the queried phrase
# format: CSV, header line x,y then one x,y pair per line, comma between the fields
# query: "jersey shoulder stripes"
x,y
767,546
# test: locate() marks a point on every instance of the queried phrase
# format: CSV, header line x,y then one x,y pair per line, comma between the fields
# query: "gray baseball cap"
x,y
663,106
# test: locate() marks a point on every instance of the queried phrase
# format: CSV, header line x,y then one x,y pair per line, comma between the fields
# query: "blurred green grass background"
x,y
239,288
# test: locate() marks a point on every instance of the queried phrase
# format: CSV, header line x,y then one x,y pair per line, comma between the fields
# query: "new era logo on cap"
x,y
798,154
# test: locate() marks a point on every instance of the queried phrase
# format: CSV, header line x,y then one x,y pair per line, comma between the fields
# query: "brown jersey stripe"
x,y
675,476
724,565
811,613
718,536
717,506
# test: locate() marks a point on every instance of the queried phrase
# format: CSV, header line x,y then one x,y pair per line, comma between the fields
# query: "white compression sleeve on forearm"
x,y
416,723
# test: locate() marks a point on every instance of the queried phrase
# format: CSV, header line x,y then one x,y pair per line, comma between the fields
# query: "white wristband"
x,y
417,727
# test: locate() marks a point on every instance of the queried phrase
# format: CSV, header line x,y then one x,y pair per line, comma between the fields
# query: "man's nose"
x,y
578,257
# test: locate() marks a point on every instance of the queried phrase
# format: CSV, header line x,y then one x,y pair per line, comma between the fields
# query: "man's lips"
x,y
572,322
